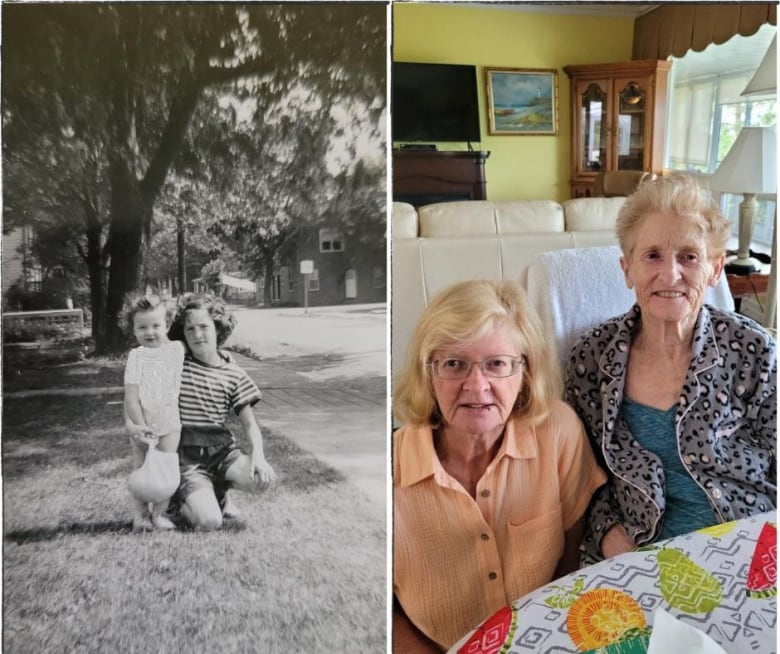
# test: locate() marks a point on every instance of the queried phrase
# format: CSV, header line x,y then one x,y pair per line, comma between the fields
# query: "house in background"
x,y
343,272
18,266
237,288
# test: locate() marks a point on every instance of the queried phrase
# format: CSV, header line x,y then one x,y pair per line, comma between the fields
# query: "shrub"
x,y
27,332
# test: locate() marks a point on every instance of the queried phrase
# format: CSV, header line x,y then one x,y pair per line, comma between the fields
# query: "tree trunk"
x,y
269,278
180,257
94,259
96,275
130,211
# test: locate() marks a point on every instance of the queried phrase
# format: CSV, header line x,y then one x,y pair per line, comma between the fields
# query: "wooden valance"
x,y
673,29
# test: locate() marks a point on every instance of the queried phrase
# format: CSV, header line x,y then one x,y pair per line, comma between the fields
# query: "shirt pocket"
x,y
532,552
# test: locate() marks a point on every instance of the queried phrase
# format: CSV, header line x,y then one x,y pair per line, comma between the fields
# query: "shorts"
x,y
205,467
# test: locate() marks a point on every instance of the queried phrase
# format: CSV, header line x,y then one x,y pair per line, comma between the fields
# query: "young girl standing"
x,y
152,381
212,385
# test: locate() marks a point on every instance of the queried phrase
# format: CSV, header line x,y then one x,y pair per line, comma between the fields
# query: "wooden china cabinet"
x,y
618,119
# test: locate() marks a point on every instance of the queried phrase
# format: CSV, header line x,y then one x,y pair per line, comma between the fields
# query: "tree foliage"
x,y
103,102
211,274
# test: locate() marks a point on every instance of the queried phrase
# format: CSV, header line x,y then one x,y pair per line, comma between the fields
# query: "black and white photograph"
x,y
194,280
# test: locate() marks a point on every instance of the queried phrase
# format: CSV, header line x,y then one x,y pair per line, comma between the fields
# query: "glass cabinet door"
x,y
593,126
630,133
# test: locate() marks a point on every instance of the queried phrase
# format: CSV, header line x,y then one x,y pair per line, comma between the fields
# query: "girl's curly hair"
x,y
224,322
141,303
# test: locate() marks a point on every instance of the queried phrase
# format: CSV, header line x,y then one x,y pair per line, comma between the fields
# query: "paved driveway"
x,y
323,378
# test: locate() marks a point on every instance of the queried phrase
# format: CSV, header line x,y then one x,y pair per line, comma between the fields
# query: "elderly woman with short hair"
x,y
679,398
492,472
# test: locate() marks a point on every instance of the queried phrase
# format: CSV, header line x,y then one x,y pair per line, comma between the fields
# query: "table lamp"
x,y
764,83
749,169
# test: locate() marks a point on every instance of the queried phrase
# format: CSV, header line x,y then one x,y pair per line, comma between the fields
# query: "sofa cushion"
x,y
408,297
594,238
521,216
449,260
518,250
404,221
467,218
486,218
583,214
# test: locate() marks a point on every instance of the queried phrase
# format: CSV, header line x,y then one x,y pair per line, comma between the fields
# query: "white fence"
x,y
70,320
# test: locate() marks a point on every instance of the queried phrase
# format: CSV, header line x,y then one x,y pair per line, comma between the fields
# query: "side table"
x,y
742,286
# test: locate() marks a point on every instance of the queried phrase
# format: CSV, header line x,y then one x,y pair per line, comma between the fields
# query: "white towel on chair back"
x,y
576,289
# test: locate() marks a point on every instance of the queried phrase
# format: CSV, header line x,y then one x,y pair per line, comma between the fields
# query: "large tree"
x,y
120,84
323,161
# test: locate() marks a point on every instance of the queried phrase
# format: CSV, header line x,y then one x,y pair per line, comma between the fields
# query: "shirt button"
x,y
492,576
716,493
485,537
485,493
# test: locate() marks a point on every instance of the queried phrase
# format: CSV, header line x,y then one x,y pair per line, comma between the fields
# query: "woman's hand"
x,y
616,541
263,472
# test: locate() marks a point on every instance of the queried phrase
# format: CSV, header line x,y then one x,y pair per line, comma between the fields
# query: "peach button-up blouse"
x,y
456,559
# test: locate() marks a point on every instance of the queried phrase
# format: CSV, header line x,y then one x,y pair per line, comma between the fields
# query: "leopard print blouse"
x,y
726,423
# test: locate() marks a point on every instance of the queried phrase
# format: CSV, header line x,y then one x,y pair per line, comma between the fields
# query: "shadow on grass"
x,y
114,528
57,365
24,536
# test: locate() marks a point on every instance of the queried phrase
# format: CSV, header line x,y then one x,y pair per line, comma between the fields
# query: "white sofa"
x,y
440,244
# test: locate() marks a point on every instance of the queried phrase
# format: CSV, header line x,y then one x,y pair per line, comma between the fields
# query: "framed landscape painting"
x,y
522,101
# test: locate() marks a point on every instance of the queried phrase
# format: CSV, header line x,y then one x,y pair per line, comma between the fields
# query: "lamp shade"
x,y
764,82
751,164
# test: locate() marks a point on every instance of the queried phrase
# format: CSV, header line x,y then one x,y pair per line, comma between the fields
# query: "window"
x,y
314,280
331,240
707,110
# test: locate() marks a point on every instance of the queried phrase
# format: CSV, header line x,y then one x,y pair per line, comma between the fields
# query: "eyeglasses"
x,y
497,366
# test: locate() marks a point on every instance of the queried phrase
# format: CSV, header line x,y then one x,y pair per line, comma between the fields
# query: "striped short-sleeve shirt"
x,y
208,392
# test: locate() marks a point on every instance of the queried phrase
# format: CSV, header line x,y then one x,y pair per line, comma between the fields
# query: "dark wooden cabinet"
x,y
427,176
618,119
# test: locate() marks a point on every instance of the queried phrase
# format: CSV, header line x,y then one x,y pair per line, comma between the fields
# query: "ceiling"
x,y
605,9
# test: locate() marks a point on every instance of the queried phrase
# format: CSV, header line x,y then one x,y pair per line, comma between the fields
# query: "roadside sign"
x,y
307,267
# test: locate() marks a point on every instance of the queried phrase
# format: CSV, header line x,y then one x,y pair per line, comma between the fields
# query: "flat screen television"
x,y
434,102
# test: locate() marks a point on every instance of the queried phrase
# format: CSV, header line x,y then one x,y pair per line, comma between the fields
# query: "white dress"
x,y
157,372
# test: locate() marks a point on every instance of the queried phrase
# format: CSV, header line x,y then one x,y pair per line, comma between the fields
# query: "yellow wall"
x,y
519,167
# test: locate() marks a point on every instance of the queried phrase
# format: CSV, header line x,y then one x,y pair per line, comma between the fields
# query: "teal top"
x,y
687,506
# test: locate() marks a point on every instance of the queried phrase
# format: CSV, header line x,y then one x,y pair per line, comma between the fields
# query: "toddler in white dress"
x,y
151,405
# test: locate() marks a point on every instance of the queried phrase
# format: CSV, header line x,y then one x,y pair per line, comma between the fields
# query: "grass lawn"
x,y
304,571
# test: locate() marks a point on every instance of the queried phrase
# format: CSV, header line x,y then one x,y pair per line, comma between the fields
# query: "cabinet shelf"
x,y
606,136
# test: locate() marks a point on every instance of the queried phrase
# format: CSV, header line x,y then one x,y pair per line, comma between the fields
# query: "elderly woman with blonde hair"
x,y
492,472
679,398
